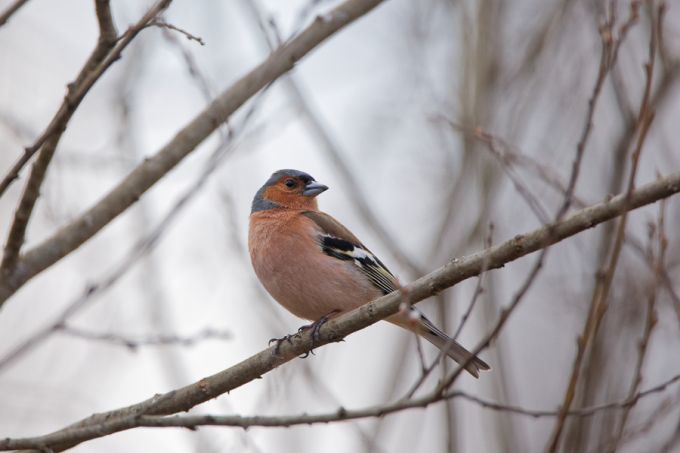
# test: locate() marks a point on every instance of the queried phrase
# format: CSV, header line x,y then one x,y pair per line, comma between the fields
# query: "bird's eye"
x,y
290,183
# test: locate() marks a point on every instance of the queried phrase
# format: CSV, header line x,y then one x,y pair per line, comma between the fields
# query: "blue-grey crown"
x,y
260,204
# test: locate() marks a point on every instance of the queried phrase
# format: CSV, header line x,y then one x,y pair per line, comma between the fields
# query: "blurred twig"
x,y
650,322
133,344
505,152
599,304
107,51
479,288
550,232
189,36
501,152
657,415
11,9
427,370
144,246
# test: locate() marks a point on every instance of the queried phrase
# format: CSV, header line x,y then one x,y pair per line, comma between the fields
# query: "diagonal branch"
x,y
107,51
9,12
128,191
453,272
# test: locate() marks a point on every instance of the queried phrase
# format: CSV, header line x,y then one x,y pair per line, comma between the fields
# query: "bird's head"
x,y
291,189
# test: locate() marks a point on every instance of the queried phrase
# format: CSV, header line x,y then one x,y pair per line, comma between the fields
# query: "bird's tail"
x,y
434,335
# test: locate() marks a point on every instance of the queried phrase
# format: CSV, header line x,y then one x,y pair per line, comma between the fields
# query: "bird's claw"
x,y
278,342
315,326
311,351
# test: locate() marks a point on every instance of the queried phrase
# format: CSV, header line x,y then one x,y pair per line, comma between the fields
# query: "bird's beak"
x,y
313,189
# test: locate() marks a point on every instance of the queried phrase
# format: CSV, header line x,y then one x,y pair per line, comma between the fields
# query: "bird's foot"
x,y
278,341
316,326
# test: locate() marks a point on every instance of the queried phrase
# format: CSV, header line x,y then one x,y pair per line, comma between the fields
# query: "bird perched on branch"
x,y
315,267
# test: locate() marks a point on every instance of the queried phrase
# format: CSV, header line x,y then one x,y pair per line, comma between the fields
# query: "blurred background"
x,y
439,126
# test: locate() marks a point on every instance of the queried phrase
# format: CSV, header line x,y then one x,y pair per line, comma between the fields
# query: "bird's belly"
x,y
312,289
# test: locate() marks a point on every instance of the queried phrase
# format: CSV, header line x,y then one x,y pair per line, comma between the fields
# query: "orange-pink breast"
x,y
288,260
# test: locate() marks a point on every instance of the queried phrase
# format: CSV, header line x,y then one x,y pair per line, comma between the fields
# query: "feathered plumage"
x,y
312,265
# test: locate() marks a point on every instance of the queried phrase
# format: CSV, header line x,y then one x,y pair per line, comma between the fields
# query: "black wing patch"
x,y
368,263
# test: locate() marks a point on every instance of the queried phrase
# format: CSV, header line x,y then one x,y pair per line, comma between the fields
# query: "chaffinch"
x,y
314,266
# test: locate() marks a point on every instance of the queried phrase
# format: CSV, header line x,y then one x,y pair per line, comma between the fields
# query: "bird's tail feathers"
x,y
457,352
441,340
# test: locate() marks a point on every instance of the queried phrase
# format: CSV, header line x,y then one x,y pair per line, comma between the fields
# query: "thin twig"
x,y
536,268
549,177
189,36
562,211
81,434
650,324
107,51
656,418
98,62
133,344
15,239
499,151
444,350
11,9
504,152
479,288
609,52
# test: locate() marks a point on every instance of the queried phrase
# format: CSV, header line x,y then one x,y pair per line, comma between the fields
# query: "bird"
x,y
316,268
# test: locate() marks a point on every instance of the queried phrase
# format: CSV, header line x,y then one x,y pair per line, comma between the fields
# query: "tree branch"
x,y
341,414
444,277
155,167
9,12
133,344
107,51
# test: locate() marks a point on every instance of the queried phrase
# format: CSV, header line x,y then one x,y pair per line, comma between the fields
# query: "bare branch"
x,y
107,29
189,36
650,322
9,12
453,272
84,433
107,51
104,54
499,150
153,340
